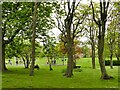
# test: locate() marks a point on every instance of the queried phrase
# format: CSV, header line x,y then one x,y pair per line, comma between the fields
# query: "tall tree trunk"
x,y
69,71
101,24
92,38
101,61
4,68
100,52
70,39
93,54
33,41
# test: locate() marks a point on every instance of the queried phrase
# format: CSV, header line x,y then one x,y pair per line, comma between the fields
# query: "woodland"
x,y
64,41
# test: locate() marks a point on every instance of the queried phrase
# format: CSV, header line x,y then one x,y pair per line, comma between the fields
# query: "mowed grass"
x,y
18,77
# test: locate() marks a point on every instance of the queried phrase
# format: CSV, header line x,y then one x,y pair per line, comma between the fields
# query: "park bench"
x,y
77,66
36,66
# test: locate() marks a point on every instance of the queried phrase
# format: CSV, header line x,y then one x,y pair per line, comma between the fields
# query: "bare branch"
x,y
101,10
107,5
79,31
77,5
69,9
59,25
65,8
94,14
84,16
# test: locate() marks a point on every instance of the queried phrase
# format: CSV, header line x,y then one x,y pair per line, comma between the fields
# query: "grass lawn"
x,y
18,77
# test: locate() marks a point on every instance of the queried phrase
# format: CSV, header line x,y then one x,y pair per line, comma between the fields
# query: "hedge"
x,y
115,63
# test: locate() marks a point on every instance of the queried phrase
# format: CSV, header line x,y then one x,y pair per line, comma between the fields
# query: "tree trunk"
x,y
23,61
50,65
50,62
33,55
33,41
69,71
111,62
101,61
63,60
4,68
117,56
101,24
70,38
93,54
100,53
27,63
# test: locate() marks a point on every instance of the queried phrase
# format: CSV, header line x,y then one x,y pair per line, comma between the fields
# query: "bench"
x,y
77,66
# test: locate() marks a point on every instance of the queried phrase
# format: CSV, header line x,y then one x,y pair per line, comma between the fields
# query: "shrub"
x,y
115,63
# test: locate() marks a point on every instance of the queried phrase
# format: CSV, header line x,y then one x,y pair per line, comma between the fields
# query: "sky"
x,y
56,32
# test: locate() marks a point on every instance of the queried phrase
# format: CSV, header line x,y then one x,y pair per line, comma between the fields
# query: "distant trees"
x,y
49,49
112,36
117,11
111,41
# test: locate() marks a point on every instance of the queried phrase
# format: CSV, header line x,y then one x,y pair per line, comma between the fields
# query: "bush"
x,y
115,63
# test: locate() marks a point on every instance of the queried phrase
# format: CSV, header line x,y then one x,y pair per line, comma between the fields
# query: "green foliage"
x,y
85,51
49,47
17,22
14,48
13,19
106,51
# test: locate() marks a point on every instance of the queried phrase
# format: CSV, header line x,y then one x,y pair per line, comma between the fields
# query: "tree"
x,y
70,28
17,21
63,50
91,31
111,41
13,21
92,36
33,38
117,52
49,49
85,50
101,34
